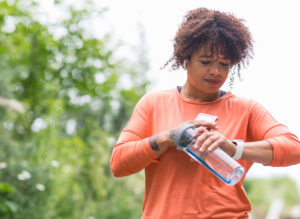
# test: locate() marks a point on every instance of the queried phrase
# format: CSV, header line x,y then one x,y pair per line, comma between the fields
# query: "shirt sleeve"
x,y
286,146
132,152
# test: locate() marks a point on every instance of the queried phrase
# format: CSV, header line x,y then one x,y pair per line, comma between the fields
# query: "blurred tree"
x,y
71,84
261,192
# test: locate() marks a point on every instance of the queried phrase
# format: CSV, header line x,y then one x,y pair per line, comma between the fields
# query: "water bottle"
x,y
217,161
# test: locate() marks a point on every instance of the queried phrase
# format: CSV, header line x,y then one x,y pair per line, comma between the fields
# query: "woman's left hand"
x,y
207,141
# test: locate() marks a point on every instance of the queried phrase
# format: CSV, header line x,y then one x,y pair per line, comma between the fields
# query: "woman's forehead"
x,y
211,52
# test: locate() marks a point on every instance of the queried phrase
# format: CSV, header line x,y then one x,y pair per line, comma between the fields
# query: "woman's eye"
x,y
205,62
224,64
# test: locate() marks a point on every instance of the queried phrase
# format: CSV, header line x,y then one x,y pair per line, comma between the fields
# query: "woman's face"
x,y
207,72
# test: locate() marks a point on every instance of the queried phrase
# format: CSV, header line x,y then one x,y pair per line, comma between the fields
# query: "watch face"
x,y
238,141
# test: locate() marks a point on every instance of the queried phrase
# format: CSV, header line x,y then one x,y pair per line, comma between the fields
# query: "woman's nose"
x,y
213,69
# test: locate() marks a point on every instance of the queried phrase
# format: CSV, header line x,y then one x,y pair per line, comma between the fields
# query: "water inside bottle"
x,y
219,163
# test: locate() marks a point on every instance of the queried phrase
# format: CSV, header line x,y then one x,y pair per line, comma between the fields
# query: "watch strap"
x,y
239,149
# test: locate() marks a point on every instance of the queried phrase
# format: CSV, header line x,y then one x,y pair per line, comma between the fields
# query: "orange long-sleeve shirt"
x,y
178,188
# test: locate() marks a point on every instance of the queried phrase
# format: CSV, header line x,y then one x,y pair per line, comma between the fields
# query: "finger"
x,y
209,142
217,143
201,139
209,125
199,131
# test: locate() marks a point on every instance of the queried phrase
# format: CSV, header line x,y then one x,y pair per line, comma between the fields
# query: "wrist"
x,y
171,135
167,139
239,149
160,142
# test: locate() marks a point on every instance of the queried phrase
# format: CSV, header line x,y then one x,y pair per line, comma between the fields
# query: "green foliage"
x,y
6,206
261,192
57,152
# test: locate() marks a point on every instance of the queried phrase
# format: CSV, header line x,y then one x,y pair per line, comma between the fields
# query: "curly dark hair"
x,y
221,31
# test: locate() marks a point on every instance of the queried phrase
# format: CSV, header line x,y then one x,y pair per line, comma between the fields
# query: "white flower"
x,y
40,187
24,175
3,165
39,124
55,163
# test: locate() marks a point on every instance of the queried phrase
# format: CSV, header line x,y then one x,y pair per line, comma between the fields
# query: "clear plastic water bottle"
x,y
217,161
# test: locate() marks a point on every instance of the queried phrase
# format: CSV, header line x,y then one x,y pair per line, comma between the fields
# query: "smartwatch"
x,y
239,148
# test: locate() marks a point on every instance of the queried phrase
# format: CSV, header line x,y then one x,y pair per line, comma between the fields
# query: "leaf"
x,y
6,188
11,206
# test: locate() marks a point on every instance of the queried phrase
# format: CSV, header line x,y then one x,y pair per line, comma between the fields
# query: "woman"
x,y
209,44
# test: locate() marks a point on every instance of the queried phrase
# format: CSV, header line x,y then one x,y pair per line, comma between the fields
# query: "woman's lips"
x,y
213,81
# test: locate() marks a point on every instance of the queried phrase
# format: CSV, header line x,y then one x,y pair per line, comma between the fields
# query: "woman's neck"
x,y
197,95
